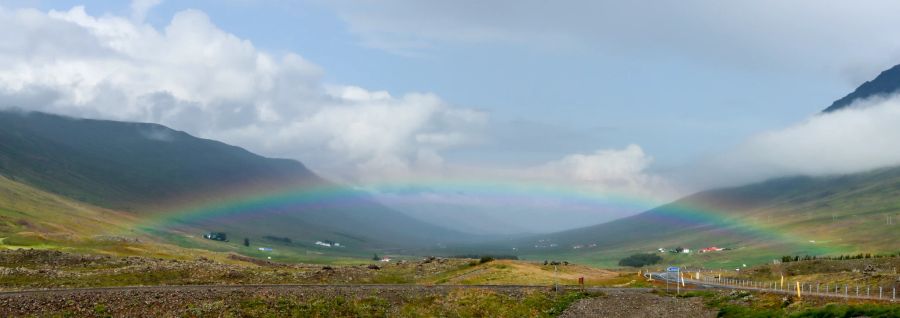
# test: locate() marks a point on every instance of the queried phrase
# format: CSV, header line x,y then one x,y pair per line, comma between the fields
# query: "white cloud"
x,y
861,137
139,8
621,171
193,76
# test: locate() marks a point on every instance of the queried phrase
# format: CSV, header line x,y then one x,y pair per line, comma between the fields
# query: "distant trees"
x,y
638,260
375,257
494,256
216,236
246,242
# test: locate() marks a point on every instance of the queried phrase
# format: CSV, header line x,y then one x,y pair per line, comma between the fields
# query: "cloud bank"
x,y
193,76
861,137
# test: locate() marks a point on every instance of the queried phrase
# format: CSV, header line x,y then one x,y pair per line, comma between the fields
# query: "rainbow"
x,y
247,202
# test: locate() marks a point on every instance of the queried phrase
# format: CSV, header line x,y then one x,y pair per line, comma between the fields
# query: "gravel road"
x,y
636,303
171,301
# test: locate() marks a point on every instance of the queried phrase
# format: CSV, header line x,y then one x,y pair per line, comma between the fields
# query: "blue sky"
x,y
632,98
607,100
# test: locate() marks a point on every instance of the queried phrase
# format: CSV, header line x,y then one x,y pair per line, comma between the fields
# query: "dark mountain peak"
x,y
888,82
127,165
144,168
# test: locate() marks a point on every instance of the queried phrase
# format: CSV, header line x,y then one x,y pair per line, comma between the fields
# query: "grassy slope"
x,y
842,214
28,212
32,218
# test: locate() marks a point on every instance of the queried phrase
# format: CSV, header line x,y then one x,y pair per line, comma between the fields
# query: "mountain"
x,y
147,169
784,216
128,166
888,82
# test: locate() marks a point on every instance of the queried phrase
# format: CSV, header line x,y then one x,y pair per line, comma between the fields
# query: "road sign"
x,y
672,269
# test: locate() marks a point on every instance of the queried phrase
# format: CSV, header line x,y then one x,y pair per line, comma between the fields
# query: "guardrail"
x,y
799,288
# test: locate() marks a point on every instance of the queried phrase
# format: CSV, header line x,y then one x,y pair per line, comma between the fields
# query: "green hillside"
x,y
757,222
34,219
31,218
146,169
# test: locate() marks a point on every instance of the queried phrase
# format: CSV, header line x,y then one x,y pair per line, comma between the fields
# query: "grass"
x,y
511,272
25,269
744,304
842,272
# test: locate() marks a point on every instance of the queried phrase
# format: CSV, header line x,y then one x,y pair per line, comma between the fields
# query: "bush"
x,y
638,260
485,259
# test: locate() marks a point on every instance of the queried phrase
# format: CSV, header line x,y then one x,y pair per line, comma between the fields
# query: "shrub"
x,y
638,260
494,256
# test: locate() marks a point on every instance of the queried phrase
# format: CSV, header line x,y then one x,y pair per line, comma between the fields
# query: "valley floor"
x,y
46,283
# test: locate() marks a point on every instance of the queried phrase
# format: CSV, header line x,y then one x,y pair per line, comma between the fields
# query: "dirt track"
x,y
169,301
633,303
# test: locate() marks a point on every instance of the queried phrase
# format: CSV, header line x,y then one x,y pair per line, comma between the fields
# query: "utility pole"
x,y
677,287
556,278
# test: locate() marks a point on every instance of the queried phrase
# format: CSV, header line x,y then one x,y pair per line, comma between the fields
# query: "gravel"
x,y
638,304
177,301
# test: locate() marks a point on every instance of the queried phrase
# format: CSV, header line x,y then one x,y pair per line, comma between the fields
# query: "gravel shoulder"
x,y
216,301
624,303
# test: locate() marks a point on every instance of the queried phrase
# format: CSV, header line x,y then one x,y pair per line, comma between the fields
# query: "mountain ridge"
x,y
140,167
886,83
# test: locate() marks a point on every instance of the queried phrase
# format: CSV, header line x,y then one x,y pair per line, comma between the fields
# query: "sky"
x,y
497,111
